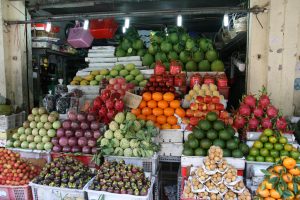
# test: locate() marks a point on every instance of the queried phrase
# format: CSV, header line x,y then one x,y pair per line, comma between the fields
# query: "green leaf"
x,y
265,172
274,180
295,188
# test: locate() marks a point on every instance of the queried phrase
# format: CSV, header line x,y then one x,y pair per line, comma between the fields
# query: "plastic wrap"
x,y
49,102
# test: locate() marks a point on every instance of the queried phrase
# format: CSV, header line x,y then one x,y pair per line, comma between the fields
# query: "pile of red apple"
x,y
165,83
14,170
110,101
256,114
202,105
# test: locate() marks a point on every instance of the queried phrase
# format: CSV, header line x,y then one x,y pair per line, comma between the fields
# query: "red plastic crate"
x,y
15,192
103,28
85,159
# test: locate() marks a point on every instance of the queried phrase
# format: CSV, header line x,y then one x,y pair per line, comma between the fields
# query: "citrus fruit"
x,y
254,152
268,132
260,159
264,152
268,145
289,163
258,144
283,140
273,139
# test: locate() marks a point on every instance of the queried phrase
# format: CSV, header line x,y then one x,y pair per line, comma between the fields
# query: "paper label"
x,y
132,100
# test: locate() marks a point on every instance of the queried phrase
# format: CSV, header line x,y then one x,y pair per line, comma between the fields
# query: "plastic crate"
x,y
15,192
85,159
149,164
42,192
103,28
171,135
171,149
36,157
96,195
20,118
7,122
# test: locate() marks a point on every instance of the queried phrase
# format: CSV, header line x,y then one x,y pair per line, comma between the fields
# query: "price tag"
x,y
132,100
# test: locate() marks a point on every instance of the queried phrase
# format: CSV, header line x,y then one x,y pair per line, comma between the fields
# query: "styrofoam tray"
x,y
196,161
87,89
129,58
101,60
171,135
137,63
102,48
101,55
252,136
250,144
171,149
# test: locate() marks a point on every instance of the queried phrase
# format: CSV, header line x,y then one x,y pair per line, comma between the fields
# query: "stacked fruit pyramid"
x,y
162,109
195,55
212,131
216,179
282,181
270,147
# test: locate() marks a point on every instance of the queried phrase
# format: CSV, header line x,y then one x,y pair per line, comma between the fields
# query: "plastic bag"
x,y
159,68
175,68
63,104
61,88
49,102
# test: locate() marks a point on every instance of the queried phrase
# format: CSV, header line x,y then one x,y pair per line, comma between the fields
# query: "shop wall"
x,y
273,52
13,56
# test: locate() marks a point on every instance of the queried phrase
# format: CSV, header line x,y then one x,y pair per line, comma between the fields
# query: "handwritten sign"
x,y
132,100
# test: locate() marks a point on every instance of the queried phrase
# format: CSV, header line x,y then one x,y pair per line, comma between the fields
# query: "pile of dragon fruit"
x,y
258,113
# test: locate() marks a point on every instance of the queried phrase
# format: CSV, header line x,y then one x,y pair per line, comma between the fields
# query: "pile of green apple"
x,y
128,71
37,131
270,147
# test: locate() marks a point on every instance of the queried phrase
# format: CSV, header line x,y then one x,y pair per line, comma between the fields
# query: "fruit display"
x,y
15,171
165,83
37,131
210,90
281,181
130,137
256,114
212,131
110,100
78,134
161,108
64,172
119,178
129,72
194,54
270,147
215,179
130,44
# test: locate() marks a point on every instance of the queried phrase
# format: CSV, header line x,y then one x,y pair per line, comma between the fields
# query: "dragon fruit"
x,y
281,123
258,112
264,101
253,124
245,110
250,100
272,112
239,122
266,123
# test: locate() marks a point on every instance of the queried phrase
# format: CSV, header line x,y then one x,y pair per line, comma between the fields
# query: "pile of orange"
x,y
161,109
285,176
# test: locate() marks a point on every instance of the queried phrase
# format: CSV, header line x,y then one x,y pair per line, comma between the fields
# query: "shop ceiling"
x,y
198,15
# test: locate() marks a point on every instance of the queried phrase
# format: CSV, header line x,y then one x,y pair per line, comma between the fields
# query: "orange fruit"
x,y
289,163
143,117
278,169
295,171
176,126
169,96
263,193
287,177
163,104
157,96
152,104
180,112
291,187
172,120
143,104
161,119
146,111
267,184
166,126
151,117
147,96
169,111
274,194
269,198
157,111
175,104
136,111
